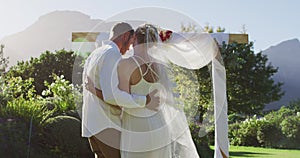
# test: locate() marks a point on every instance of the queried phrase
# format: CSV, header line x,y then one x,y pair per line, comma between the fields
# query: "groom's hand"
x,y
89,85
153,101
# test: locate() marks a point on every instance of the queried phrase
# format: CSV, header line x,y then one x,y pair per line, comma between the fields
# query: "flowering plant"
x,y
63,93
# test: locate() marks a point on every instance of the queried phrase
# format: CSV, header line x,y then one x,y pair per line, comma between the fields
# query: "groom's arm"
x,y
89,85
109,84
98,92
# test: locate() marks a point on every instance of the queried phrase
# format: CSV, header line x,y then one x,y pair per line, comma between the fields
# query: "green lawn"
x,y
241,151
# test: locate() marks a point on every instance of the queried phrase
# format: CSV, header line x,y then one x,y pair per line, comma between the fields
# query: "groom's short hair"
x,y
120,28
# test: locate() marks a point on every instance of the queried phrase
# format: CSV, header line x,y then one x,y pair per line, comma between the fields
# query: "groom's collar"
x,y
111,43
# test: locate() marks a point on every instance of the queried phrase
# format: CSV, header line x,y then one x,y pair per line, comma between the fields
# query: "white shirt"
x,y
101,67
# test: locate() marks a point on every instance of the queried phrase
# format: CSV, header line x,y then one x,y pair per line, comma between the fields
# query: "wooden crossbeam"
x,y
239,38
92,36
84,36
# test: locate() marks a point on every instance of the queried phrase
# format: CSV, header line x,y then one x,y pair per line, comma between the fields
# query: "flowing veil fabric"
x,y
194,51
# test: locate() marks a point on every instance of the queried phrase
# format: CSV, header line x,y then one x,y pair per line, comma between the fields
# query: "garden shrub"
x,y
290,127
22,122
13,137
278,129
248,132
64,137
270,135
26,110
62,94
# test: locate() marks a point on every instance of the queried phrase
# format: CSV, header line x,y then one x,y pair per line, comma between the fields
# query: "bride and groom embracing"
x,y
129,110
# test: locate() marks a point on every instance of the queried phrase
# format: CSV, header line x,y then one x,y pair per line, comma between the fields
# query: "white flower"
x,y
44,93
62,76
63,88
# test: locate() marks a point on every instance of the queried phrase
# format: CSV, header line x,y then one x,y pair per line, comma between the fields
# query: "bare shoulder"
x,y
126,61
127,67
125,64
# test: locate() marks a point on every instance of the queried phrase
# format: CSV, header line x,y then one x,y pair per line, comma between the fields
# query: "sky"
x,y
268,22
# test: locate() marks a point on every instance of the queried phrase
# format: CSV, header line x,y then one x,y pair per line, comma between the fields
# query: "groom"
x,y
101,121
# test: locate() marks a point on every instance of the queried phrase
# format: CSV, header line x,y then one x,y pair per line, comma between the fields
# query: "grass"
x,y
241,151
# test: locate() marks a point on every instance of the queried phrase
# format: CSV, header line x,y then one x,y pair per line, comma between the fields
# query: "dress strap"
x,y
148,67
138,64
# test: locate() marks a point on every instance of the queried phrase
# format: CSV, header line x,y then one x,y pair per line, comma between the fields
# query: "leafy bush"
x,y
40,69
13,137
290,127
25,110
23,103
60,138
295,105
28,117
21,117
278,129
246,135
22,122
62,94
64,137
270,135
17,87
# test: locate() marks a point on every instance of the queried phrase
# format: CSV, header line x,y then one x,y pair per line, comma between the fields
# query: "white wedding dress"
x,y
151,134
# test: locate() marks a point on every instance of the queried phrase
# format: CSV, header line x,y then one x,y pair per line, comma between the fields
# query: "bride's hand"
x,y
153,101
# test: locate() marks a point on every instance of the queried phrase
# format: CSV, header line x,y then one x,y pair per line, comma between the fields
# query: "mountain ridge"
x,y
52,31
285,56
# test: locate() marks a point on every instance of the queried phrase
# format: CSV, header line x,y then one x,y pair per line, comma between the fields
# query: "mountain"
x,y
286,57
52,31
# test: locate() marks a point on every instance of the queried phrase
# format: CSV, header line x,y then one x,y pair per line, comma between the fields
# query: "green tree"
x,y
250,85
41,69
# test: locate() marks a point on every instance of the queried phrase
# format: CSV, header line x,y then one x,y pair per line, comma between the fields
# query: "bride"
x,y
145,133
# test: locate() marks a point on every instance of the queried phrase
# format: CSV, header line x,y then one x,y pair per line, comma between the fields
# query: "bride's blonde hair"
x,y
146,33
